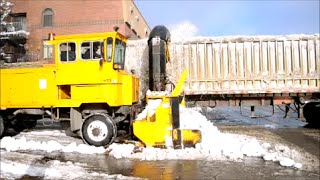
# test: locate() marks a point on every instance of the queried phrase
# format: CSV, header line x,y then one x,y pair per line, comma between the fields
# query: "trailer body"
x,y
241,70
249,65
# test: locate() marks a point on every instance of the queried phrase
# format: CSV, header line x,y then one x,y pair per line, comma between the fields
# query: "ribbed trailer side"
x,y
248,65
241,70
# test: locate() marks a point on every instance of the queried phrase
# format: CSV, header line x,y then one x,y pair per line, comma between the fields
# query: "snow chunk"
x,y
121,151
286,161
298,165
150,109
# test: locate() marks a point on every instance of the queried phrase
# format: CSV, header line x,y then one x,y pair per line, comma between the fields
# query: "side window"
x,y
67,51
91,50
109,49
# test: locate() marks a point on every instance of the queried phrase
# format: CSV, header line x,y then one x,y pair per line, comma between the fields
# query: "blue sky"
x,y
215,18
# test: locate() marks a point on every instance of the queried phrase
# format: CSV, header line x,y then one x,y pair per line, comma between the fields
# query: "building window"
x,y
47,51
47,17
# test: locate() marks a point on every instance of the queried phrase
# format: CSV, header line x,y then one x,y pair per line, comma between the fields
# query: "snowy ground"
x,y
17,164
215,145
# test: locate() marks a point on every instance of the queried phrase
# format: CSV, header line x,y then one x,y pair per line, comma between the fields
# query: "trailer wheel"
x,y
98,130
1,126
311,113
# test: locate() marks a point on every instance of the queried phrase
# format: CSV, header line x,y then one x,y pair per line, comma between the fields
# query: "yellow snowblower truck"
x,y
87,85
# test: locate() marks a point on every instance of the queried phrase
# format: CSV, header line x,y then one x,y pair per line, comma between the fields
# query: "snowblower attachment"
x,y
159,124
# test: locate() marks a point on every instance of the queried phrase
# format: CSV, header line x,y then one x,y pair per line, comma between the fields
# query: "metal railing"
x,y
13,26
19,26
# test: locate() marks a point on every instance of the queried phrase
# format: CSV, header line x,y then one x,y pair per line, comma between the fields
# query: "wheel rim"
x,y
97,131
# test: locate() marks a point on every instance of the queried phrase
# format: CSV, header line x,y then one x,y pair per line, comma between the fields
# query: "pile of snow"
x,y
214,146
15,144
53,170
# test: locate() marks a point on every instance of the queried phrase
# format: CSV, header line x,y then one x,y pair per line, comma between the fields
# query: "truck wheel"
x,y
1,126
311,112
98,130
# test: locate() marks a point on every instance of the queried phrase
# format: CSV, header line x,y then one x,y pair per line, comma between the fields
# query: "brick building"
x,y
40,17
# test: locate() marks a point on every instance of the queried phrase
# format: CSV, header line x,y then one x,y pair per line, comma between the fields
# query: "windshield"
x,y
119,53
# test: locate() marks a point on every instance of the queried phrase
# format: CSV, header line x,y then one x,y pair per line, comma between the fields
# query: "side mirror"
x,y
101,62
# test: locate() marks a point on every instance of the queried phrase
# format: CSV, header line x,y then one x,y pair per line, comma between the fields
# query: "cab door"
x,y
67,63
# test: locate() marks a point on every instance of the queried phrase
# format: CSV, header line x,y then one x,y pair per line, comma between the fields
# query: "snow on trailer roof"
x,y
242,38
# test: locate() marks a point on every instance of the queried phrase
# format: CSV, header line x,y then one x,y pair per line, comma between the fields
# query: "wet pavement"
x,y
289,131
250,168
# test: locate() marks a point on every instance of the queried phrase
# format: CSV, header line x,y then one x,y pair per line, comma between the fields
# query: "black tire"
x,y
98,130
311,112
23,122
1,126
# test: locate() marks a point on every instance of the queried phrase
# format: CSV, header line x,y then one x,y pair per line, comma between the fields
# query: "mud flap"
x,y
176,131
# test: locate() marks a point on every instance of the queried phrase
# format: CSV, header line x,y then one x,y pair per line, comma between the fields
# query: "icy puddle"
x,y
53,169
214,146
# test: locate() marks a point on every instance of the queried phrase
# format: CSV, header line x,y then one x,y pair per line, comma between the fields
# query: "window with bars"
x,y
47,51
47,17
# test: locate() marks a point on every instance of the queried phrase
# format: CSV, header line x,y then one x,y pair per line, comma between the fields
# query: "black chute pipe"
x,y
157,42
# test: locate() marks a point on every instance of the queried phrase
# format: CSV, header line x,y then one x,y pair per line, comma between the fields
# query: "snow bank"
x,y
53,170
55,133
14,144
214,146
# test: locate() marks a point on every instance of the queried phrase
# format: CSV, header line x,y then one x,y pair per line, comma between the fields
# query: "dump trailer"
x,y
246,71
85,84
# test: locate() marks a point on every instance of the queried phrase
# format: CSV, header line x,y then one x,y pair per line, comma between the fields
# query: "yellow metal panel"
x,y
27,87
179,87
